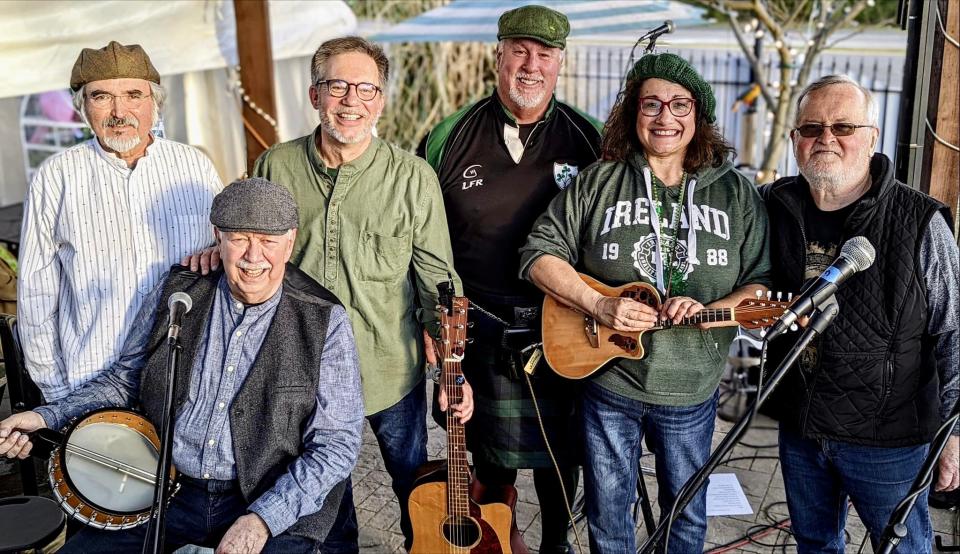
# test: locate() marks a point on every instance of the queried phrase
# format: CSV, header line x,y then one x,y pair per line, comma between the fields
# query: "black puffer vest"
x,y
872,383
279,393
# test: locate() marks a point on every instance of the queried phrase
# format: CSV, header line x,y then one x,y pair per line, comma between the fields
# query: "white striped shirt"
x,y
97,237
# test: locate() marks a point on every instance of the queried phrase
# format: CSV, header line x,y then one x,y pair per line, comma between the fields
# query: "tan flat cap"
x,y
113,61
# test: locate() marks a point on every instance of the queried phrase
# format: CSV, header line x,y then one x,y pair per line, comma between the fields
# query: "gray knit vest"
x,y
279,394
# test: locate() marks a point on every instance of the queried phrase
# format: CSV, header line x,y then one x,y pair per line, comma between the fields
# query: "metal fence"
x,y
593,74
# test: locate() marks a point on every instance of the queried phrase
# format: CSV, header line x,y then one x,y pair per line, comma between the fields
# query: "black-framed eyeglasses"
x,y
813,130
652,106
102,99
339,88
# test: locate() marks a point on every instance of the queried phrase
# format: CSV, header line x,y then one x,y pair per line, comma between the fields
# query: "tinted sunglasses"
x,y
811,130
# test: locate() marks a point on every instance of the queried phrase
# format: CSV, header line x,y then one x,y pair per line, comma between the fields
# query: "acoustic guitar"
x,y
449,511
576,345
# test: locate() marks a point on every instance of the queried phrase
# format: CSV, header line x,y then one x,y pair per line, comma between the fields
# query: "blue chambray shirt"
x,y
225,355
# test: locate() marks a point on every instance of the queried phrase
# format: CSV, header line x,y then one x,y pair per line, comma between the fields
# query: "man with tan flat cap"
x,y
104,220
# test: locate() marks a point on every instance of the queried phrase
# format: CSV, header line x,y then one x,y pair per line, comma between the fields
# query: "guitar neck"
x,y
709,315
458,471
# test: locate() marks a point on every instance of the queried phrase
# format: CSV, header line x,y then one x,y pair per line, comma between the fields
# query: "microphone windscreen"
x,y
180,297
859,251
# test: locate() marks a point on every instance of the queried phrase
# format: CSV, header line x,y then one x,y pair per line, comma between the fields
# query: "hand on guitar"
x,y
678,307
624,314
13,434
247,535
463,410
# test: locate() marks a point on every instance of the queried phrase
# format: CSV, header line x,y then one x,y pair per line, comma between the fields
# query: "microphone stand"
x,y
896,528
819,321
156,529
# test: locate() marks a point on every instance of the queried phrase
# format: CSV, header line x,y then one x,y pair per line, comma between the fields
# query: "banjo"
x,y
103,469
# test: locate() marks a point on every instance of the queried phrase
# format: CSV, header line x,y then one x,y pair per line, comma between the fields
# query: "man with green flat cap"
x,y
500,161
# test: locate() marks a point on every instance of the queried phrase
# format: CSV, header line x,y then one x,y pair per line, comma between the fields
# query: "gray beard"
x,y
122,145
332,130
524,101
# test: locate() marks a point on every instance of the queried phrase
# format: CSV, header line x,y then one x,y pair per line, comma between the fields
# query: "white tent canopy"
x,y
40,40
192,43
590,21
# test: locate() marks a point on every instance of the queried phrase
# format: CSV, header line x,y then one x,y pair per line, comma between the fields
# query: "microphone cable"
x,y
553,459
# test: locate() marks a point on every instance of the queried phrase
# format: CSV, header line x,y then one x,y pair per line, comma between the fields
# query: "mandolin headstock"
x,y
762,311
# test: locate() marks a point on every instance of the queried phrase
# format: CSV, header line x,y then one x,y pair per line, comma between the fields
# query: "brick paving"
x,y
379,515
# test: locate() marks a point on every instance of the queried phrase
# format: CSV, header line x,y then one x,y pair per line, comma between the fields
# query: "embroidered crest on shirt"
x,y
645,249
563,174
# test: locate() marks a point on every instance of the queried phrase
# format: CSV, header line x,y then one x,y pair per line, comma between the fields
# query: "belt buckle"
x,y
526,317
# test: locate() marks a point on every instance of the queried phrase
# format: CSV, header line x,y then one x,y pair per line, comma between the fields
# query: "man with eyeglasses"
x,y
858,413
373,231
104,220
500,162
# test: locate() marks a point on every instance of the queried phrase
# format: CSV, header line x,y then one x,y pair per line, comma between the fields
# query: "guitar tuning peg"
x,y
470,324
759,294
789,297
779,296
470,340
769,294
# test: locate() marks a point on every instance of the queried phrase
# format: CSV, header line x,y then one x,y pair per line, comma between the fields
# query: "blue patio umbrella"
x,y
590,21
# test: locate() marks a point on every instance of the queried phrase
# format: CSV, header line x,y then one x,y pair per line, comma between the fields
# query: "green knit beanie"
x,y
673,68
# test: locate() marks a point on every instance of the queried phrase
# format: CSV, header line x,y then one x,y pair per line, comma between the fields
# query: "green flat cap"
x,y
539,23
113,61
673,68
254,205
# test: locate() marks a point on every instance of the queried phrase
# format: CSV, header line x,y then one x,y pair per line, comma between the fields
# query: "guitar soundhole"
x,y
628,344
641,295
461,531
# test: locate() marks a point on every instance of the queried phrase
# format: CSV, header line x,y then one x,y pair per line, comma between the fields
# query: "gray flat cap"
x,y
254,205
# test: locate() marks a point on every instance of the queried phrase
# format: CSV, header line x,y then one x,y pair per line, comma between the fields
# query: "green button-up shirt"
x,y
378,239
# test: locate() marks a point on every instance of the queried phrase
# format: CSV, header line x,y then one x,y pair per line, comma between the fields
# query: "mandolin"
x,y
576,345
449,511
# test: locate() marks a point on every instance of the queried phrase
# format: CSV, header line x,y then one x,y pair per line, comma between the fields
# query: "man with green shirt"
x,y
372,231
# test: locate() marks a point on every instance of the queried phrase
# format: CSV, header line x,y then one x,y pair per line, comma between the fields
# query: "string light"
x,y
238,87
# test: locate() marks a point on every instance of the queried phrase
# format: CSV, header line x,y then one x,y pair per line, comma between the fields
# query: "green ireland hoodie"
x,y
601,226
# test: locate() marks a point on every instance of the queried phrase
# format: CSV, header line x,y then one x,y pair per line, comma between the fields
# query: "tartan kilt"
x,y
504,430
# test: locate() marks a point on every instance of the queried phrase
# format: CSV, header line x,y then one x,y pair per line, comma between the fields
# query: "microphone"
x,y
667,27
179,304
856,255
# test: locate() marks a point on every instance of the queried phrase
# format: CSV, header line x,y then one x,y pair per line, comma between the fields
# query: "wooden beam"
x,y
256,75
945,165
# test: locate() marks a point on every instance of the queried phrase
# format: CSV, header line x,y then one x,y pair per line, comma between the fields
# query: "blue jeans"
x,y
820,475
401,432
196,515
613,430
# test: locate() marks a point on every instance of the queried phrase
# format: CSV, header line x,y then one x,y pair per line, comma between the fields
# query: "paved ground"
x,y
756,467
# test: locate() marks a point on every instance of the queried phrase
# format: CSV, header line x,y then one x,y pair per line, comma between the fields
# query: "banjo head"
x,y
104,472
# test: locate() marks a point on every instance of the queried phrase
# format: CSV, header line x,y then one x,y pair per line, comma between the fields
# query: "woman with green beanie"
x,y
664,206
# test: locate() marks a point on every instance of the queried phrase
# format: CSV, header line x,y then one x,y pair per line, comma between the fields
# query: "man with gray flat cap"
x,y
500,161
125,190
260,329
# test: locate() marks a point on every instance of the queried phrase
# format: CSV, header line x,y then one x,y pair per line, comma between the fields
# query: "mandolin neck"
x,y
707,315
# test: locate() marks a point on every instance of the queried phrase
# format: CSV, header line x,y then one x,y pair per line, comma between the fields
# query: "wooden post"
x,y
256,75
945,165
